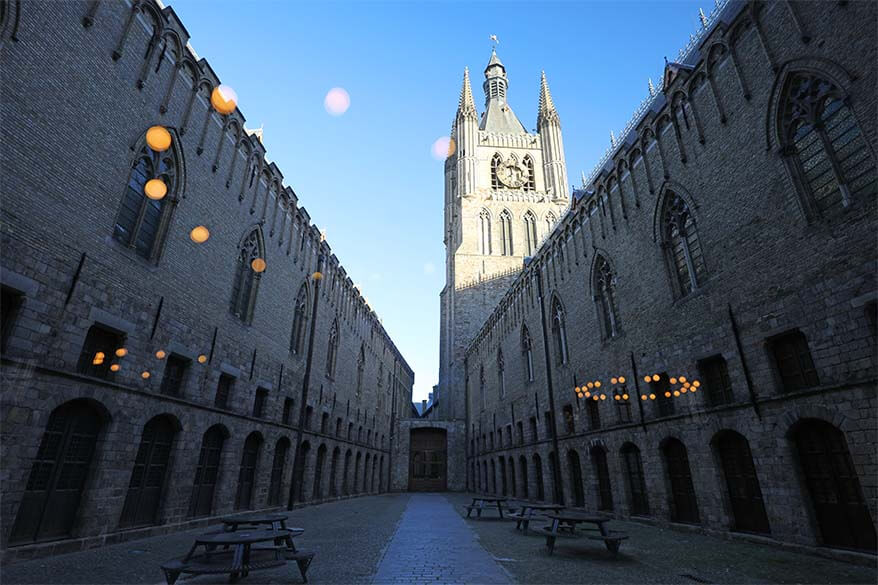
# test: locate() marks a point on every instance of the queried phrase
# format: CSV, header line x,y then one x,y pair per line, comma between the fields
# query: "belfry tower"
x,y
505,189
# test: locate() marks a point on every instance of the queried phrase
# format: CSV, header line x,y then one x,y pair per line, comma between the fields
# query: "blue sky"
x,y
368,177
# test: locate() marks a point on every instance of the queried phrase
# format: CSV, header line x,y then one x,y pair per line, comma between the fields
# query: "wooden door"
x,y
605,494
427,463
206,473
148,476
682,491
745,495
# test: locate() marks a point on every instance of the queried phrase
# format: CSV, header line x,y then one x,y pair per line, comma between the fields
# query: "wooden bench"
x,y
215,563
613,540
478,509
303,558
551,535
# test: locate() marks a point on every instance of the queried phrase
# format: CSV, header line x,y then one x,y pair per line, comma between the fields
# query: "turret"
x,y
549,129
465,134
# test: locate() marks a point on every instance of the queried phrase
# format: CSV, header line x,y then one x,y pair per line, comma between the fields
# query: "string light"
x,y
160,354
158,138
613,380
652,396
202,358
647,378
597,383
121,352
621,379
145,375
199,234
655,377
115,367
673,380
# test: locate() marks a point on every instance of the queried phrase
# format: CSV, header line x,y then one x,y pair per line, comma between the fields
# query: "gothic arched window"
x,y
559,332
332,349
506,232
680,240
495,166
550,222
246,277
530,181
604,287
527,350
824,147
485,232
142,223
501,377
300,319
530,232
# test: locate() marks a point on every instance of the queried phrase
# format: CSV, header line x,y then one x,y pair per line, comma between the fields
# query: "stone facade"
x,y
82,82
717,243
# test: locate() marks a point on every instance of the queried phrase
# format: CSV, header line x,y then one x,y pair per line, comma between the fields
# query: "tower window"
x,y
681,244
793,361
223,391
485,232
530,232
495,168
506,232
530,180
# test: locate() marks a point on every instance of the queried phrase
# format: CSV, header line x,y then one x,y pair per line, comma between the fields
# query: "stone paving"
x,y
424,538
433,544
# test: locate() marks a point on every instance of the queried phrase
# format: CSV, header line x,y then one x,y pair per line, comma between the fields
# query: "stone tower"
x,y
504,190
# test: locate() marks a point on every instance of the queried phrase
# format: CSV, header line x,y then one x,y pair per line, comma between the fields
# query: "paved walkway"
x,y
433,544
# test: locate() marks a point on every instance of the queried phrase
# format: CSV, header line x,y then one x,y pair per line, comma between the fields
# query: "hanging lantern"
x,y
202,358
155,189
160,354
97,361
199,234
224,99
683,390
588,394
595,397
590,384
100,355
158,138
258,265
121,352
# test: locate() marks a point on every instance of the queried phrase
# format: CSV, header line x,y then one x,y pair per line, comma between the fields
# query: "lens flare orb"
x,y
337,101
158,138
224,99
258,265
155,189
443,148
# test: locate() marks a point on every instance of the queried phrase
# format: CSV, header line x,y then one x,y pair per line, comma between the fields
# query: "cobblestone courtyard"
x,y
423,538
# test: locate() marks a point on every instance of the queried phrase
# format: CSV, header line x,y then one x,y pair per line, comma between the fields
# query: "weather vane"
x,y
495,40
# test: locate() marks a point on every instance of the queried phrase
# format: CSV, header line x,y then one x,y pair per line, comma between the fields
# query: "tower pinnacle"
x,y
547,111
466,105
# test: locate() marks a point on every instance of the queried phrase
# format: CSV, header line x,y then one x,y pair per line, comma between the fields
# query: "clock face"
x,y
510,174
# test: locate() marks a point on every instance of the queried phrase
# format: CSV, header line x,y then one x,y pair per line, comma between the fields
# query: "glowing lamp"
x,y
655,377
613,380
202,358
155,189
621,379
597,383
595,397
224,99
576,390
258,265
693,389
647,378
100,355
643,396
683,390
652,396
676,392
145,375
624,397
121,352
590,384
160,354
158,138
673,380
616,397
667,394
588,394
317,276
199,234
97,362
114,368
682,379
696,383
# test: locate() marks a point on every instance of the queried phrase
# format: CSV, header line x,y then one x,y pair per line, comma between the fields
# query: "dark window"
x,y
538,473
148,476
559,332
99,352
332,350
250,266
247,472
681,245
685,507
715,375
201,502
604,286
520,426
277,472
594,413
745,495
623,404
300,318
664,401
223,391
550,429
338,427
309,413
574,468
259,402
9,305
793,360
534,436
633,468
324,423
175,375
569,423
288,411
58,474
317,488
602,472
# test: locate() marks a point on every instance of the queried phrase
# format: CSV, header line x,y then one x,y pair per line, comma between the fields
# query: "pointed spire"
x,y
651,86
495,60
702,17
547,106
466,104
612,139
582,175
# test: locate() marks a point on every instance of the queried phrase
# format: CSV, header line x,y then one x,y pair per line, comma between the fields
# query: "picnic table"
x,y
528,510
479,503
611,539
239,561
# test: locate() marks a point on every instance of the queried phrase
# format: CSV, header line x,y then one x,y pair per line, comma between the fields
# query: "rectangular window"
x,y
324,423
223,391
569,423
309,412
520,426
793,361
715,378
175,375
594,414
623,405
99,352
259,402
550,429
509,435
664,398
9,305
533,429
287,415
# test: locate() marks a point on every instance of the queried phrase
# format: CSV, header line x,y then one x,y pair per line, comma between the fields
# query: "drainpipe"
x,y
556,467
294,485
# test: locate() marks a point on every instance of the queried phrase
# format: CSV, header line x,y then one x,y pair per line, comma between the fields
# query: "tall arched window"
x,y
485,232
527,350
207,471
680,241
551,220
148,476
332,349
58,475
506,232
277,471
142,223
501,374
495,166
559,332
300,319
831,160
685,505
247,472
246,277
604,287
361,364
638,501
530,181
530,232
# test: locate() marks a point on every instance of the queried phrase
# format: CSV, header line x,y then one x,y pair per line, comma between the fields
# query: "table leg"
x,y
245,561
500,509
237,558
526,520
550,539
191,551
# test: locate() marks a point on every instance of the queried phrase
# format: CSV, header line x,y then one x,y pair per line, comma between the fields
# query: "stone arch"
x,y
671,186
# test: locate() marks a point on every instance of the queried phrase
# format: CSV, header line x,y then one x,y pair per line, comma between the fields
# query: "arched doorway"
x,y
207,472
685,507
574,467
247,472
833,485
745,496
602,474
427,462
148,476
